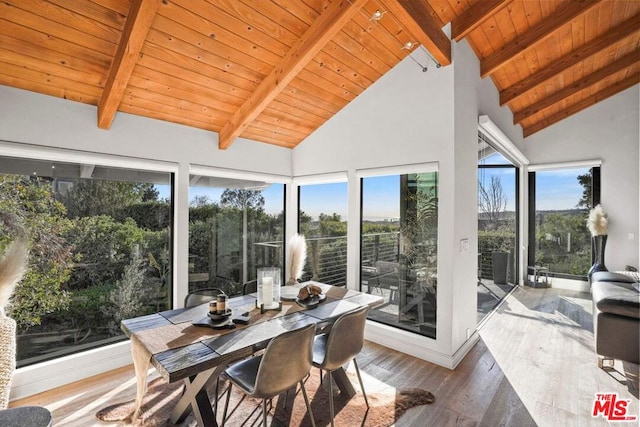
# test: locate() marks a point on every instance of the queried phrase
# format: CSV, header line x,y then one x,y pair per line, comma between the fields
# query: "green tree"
x,y
332,225
91,197
103,247
241,199
148,192
564,243
586,201
41,290
128,297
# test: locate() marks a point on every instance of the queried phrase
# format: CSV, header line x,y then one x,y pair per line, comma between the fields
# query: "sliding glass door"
x,y
497,227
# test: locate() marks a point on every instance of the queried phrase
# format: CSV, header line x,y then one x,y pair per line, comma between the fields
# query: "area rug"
x,y
386,405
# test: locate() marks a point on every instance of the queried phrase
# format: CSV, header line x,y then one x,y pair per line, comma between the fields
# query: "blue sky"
x,y
381,199
555,189
324,198
558,189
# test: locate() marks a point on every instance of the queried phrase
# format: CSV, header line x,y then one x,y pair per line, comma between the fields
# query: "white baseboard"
x,y
569,284
416,345
48,375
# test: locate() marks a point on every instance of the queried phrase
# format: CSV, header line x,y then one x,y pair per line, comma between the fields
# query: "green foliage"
x,y
332,226
91,197
148,192
103,246
564,243
586,201
239,198
127,299
151,215
85,309
40,291
369,227
419,225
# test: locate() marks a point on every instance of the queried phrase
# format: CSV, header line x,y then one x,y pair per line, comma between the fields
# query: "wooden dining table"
x,y
182,348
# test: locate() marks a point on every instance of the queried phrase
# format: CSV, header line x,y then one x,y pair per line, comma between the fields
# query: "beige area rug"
x,y
387,405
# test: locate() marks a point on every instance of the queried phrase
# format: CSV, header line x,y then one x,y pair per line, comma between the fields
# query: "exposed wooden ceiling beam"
x,y
585,103
323,29
473,17
535,35
577,86
135,31
601,42
421,20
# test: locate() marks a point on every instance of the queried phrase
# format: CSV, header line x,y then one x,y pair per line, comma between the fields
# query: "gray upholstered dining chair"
x,y
276,370
339,346
250,287
200,296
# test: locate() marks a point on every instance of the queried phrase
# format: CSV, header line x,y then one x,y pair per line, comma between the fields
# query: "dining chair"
x,y
339,346
250,287
276,370
200,296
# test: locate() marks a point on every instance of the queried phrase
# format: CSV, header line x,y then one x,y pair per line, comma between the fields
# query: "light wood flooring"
x,y
534,365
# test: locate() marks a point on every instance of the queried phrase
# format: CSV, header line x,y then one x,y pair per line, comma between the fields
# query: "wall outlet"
x,y
464,245
631,236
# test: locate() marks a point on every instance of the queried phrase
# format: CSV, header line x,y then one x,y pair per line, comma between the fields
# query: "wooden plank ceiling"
x,y
274,71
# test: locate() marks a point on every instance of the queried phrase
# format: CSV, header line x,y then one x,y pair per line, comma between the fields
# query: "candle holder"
x,y
269,289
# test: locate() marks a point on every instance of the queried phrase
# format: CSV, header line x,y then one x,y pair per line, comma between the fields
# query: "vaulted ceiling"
x,y
274,71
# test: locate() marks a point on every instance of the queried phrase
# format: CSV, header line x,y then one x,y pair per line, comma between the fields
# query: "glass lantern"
x,y
269,289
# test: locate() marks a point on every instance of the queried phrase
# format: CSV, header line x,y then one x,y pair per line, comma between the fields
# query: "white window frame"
x,y
36,378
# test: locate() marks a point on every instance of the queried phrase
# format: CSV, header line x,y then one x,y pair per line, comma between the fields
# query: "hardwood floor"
x,y
534,365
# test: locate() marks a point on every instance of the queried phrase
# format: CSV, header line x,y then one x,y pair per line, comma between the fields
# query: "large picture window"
x,y
559,205
235,227
322,212
399,249
100,244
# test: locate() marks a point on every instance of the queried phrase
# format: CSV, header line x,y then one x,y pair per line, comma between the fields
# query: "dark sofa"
x,y
616,316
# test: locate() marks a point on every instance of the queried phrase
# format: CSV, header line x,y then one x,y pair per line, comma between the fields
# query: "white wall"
x,y
412,117
609,131
406,117
32,118
465,209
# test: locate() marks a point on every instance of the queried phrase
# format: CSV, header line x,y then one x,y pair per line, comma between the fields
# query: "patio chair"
x,y
275,371
343,342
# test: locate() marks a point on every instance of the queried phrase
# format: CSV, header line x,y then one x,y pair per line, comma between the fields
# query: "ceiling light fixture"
x,y
377,15
409,45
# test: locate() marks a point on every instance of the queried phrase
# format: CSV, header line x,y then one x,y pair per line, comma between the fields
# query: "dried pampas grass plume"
x,y
12,267
298,256
598,221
